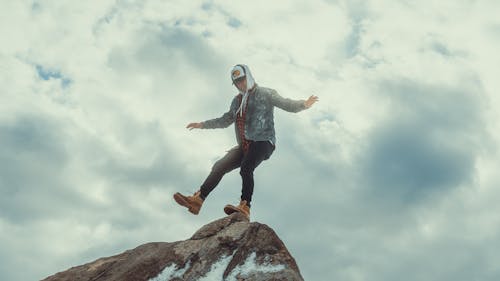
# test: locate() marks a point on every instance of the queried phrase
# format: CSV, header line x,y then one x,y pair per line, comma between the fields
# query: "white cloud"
x,y
95,158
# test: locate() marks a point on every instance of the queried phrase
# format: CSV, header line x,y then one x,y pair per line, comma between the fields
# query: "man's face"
x,y
241,84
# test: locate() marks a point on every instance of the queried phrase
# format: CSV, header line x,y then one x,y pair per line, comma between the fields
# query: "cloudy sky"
x,y
392,175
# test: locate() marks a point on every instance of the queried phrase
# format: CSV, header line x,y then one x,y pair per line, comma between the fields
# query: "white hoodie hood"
x,y
242,70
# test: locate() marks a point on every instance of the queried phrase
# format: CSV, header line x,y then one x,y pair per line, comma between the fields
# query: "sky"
x,y
392,175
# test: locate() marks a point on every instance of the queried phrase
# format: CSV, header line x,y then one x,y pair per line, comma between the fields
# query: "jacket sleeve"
x,y
222,122
285,103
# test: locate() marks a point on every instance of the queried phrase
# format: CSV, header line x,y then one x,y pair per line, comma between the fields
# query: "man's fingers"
x,y
191,126
310,101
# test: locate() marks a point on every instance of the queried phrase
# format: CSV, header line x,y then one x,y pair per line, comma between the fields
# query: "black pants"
x,y
257,152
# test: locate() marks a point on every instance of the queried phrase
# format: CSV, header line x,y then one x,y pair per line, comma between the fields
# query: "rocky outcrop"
x,y
228,249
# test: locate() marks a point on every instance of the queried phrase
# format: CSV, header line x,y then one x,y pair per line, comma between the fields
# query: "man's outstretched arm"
x,y
292,105
224,121
221,122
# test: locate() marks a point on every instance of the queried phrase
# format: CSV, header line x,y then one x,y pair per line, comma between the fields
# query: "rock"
x,y
228,249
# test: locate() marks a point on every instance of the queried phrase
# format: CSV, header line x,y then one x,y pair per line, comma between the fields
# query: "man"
x,y
252,112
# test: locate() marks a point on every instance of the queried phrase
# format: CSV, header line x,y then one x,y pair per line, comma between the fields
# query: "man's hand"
x,y
310,101
191,126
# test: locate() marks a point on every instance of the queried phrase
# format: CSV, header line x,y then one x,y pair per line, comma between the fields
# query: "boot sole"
x,y
230,209
179,198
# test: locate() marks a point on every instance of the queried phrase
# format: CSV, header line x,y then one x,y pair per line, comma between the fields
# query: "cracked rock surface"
x,y
231,248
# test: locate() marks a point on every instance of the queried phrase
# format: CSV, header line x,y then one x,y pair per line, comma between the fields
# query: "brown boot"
x,y
193,203
242,208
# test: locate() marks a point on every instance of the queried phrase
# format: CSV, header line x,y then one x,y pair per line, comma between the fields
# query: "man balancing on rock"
x,y
252,112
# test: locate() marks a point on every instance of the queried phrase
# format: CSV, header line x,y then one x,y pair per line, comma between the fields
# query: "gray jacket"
x,y
259,117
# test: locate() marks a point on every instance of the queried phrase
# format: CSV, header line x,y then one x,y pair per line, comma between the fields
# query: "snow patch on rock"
x,y
251,267
171,271
217,270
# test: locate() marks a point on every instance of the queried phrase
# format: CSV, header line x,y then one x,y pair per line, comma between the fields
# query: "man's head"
x,y
242,78
239,77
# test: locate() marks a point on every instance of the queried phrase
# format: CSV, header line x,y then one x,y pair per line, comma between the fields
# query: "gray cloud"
x,y
234,22
357,14
38,184
441,49
47,74
425,149
95,176
164,47
170,53
427,145
162,160
33,168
